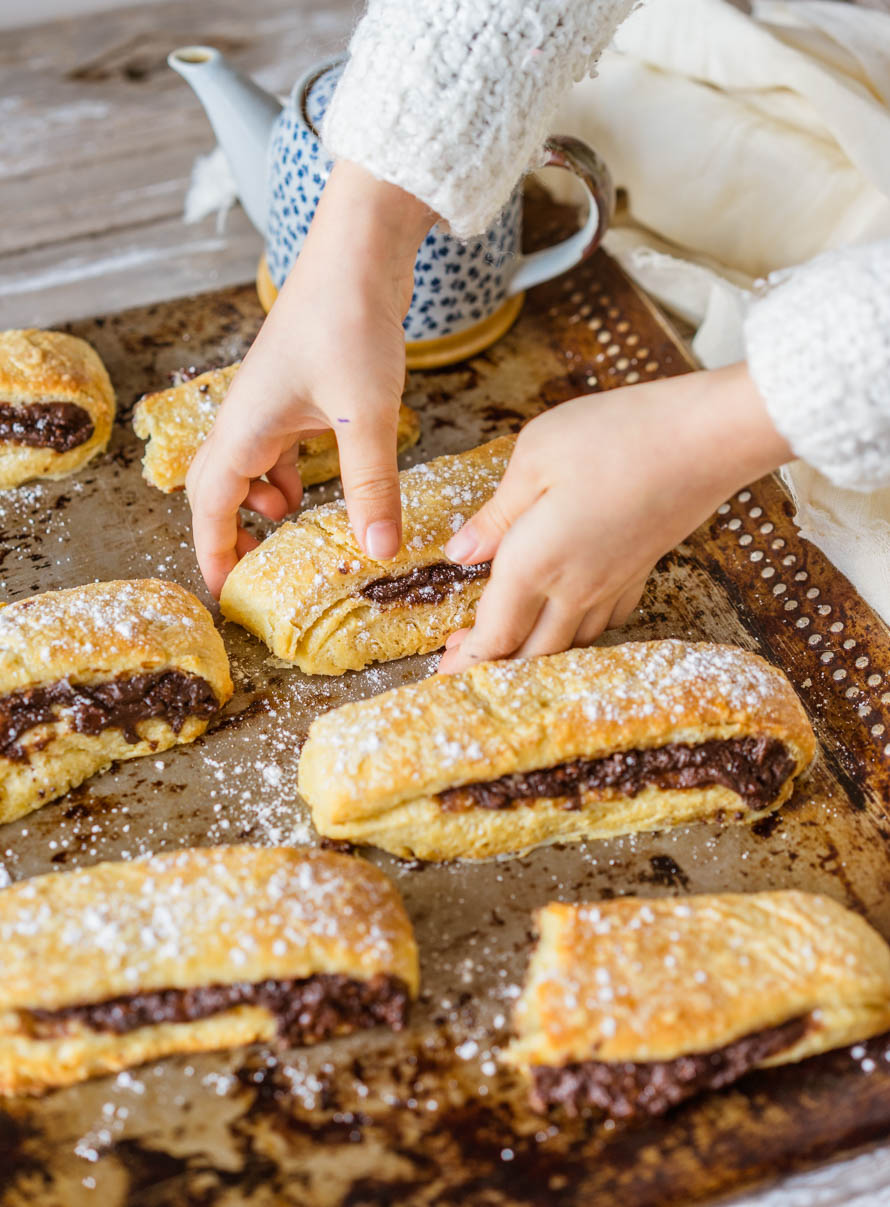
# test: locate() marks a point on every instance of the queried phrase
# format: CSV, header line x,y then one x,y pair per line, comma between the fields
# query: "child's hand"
x,y
331,354
597,490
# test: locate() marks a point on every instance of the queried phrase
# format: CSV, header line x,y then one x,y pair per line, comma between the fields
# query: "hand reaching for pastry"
x,y
331,354
597,490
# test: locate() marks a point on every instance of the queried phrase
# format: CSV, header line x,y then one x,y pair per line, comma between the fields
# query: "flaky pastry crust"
x,y
371,769
49,366
645,980
186,919
300,590
176,422
91,634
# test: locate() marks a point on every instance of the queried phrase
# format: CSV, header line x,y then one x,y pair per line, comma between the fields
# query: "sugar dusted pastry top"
x,y
38,364
502,717
648,980
198,917
117,626
175,422
308,563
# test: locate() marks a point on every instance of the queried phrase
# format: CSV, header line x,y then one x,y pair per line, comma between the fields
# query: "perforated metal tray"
x,y
427,1117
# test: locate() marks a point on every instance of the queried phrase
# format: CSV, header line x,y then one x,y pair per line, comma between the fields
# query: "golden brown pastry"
x,y
56,405
121,963
176,422
585,744
633,1005
316,599
101,672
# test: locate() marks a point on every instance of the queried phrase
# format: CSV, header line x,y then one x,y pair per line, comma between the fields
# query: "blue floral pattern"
x,y
456,285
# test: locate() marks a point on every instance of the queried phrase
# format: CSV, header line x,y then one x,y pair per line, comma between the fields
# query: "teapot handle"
x,y
562,151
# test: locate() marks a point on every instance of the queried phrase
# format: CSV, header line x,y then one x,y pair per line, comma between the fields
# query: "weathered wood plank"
x,y
126,191
97,142
69,101
160,260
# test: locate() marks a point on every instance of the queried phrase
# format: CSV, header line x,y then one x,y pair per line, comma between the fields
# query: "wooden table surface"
x,y
97,141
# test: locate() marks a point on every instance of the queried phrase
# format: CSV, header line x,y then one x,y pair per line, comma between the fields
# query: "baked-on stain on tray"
x,y
427,1116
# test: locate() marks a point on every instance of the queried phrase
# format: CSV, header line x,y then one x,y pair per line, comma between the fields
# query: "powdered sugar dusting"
x,y
626,969
659,677
587,689
437,497
145,922
105,620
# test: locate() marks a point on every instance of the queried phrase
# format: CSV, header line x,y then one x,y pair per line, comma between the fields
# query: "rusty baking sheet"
x,y
427,1117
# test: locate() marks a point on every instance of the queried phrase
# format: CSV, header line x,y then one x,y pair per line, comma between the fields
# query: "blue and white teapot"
x,y
466,294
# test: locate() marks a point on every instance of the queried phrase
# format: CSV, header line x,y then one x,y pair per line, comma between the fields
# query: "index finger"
x,y
215,492
369,471
508,609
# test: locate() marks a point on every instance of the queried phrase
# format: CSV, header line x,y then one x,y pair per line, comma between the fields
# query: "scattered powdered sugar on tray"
x,y
272,816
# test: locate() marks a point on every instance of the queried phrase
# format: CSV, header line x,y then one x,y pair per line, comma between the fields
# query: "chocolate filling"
x,y
307,1010
425,584
755,768
60,426
93,707
625,1089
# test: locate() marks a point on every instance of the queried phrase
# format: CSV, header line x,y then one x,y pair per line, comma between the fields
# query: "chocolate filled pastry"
x,y
586,744
121,963
56,405
176,422
316,599
101,672
633,1005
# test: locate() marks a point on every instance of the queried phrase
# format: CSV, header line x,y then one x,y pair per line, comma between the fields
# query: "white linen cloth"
x,y
748,144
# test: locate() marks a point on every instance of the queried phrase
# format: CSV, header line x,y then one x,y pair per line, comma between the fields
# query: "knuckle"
x,y
493,516
526,441
372,487
581,595
528,462
193,473
525,573
511,577
539,425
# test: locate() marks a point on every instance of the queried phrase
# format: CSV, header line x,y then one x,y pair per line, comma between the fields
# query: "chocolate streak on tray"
x,y
119,703
306,1010
60,426
626,1089
755,768
425,584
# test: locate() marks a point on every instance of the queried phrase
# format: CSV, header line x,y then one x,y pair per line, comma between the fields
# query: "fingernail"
x,y
462,545
382,540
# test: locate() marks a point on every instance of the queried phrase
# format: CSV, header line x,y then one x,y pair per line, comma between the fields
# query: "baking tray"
x,y
428,1117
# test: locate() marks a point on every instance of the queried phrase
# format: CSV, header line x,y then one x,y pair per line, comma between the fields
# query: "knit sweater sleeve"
x,y
452,99
818,347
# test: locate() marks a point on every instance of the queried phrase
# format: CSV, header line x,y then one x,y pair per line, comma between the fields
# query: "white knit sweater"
x,y
451,100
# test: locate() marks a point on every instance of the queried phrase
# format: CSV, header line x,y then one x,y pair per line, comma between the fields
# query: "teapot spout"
x,y
242,116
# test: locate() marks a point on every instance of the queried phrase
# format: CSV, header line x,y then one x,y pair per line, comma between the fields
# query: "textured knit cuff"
x,y
452,99
818,346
